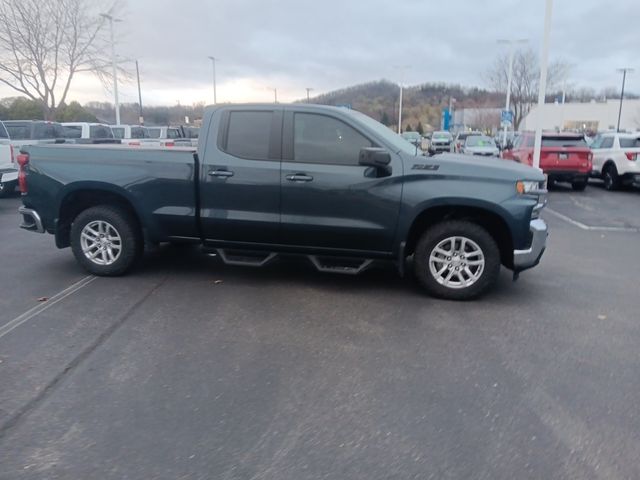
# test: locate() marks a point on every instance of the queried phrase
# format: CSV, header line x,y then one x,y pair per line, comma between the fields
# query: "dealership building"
x,y
593,116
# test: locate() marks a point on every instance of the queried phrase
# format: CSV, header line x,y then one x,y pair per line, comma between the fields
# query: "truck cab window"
x,y
323,139
248,134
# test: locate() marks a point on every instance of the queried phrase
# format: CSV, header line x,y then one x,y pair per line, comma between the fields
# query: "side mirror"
x,y
374,157
378,159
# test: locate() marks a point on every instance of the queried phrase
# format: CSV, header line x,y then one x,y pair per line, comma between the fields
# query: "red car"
x,y
564,157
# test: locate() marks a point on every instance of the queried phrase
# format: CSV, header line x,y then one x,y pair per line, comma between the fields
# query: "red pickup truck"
x,y
564,157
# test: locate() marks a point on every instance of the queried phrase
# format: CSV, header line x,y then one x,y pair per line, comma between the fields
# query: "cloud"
x,y
293,44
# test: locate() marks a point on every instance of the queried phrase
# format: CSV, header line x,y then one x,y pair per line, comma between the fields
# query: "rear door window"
x,y
249,134
73,131
100,131
630,142
139,132
153,132
173,133
118,132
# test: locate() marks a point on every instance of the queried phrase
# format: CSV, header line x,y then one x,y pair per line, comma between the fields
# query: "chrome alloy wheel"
x,y
101,242
456,262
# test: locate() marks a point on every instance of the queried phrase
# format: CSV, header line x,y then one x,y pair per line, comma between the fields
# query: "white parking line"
x,y
29,314
581,225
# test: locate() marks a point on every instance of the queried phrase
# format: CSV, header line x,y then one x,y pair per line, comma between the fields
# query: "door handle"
x,y
221,173
299,177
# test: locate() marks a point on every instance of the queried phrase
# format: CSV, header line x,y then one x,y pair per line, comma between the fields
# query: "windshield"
x,y
564,141
397,143
411,135
441,136
479,141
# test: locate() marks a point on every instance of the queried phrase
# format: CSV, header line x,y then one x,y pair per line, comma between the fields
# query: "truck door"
x,y
240,176
328,200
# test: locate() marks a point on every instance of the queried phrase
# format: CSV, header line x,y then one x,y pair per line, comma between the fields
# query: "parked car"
x,y
168,136
441,141
133,135
13,135
327,183
413,137
461,137
8,167
564,157
83,132
480,145
615,159
29,132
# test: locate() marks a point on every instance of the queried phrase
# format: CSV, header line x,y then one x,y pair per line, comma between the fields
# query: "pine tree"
x,y
419,128
408,129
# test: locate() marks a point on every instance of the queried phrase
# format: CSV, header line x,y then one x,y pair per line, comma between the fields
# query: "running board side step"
x,y
348,266
245,258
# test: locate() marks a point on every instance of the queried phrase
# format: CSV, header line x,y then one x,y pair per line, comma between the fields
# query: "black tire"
x,y
579,185
457,228
125,226
611,178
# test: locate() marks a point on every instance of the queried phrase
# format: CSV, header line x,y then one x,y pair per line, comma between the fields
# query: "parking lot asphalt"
x,y
190,369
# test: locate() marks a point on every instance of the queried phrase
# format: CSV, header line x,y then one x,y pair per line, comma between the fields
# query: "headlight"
x,y
525,187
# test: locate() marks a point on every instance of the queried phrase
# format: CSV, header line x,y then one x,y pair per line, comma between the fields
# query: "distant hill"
x,y
421,103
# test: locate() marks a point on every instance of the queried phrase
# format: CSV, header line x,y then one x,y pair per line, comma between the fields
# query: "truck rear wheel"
x,y
105,240
457,260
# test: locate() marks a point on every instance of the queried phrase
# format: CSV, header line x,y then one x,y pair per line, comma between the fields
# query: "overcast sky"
x,y
329,44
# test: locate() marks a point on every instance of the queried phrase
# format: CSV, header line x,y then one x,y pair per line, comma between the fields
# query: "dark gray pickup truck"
x,y
327,183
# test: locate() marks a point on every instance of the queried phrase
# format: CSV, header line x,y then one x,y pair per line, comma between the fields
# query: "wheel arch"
x,y
78,197
483,216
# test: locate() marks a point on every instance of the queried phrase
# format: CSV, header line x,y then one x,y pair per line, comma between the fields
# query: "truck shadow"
x,y
188,262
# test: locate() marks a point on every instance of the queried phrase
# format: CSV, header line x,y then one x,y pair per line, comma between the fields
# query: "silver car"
x,y
480,145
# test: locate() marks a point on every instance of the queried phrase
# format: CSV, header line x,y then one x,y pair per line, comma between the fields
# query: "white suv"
x,y
615,159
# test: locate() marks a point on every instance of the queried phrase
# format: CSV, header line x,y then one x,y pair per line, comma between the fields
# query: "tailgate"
x,y
565,158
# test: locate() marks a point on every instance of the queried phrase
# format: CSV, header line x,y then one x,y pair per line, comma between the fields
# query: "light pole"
x,y
140,117
308,89
275,95
511,44
402,68
624,72
112,19
537,145
213,62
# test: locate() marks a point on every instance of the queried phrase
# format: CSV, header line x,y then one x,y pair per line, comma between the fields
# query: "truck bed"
x,y
159,183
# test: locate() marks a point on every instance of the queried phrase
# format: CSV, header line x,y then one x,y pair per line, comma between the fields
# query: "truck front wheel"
x,y
457,260
105,240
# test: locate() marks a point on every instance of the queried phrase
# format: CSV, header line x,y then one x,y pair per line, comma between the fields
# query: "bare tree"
x,y
45,43
525,80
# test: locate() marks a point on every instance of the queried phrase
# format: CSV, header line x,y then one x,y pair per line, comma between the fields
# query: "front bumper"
x,y
524,259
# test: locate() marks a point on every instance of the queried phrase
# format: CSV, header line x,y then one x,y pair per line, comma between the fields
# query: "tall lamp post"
x,y
511,44
213,63
544,58
140,117
624,72
112,19
402,68
308,89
